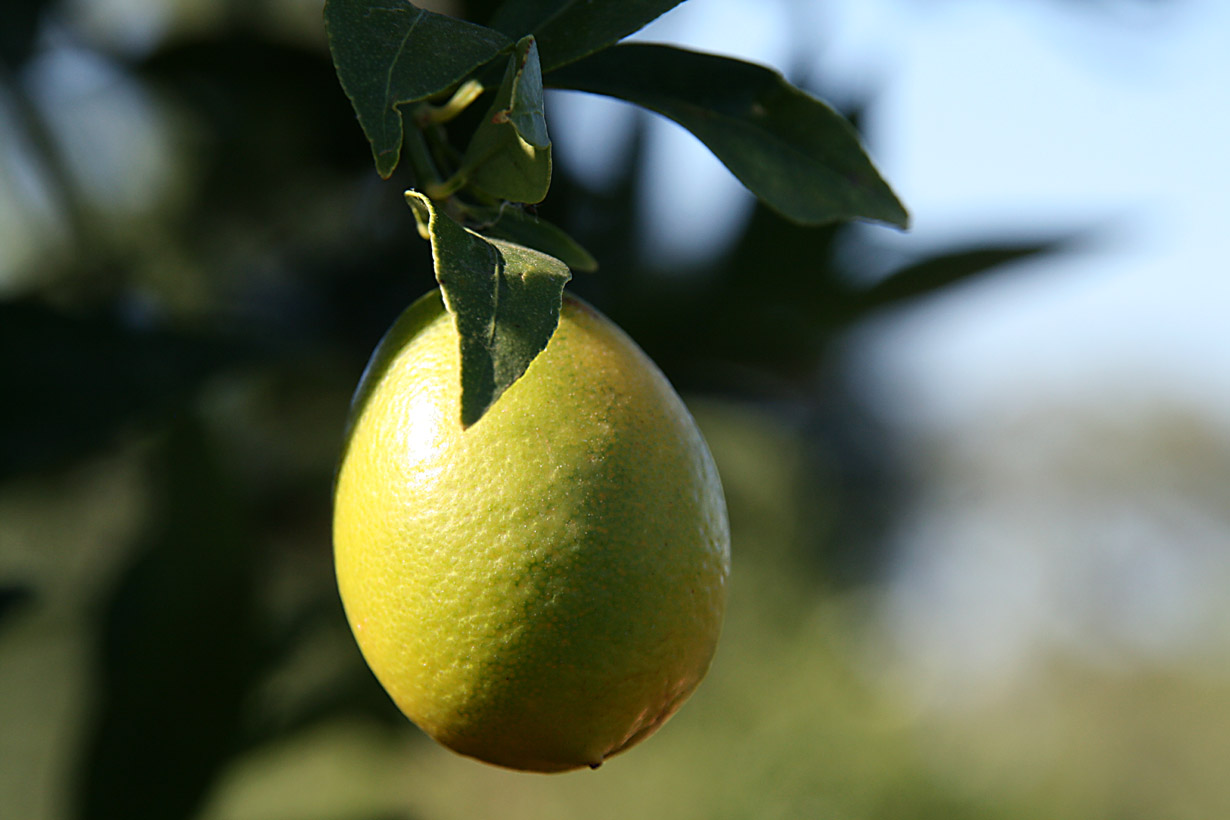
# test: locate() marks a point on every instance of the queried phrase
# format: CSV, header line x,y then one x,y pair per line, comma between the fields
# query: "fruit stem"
x,y
421,161
443,190
468,92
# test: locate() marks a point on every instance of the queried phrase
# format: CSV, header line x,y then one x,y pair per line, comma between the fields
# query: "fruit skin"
x,y
543,589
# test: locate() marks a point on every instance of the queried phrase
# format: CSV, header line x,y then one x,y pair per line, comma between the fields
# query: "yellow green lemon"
x,y
542,589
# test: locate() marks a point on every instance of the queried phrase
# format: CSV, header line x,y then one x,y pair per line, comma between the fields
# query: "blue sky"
x,y
1014,116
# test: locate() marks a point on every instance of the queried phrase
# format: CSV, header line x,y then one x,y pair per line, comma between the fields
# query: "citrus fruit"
x,y
544,588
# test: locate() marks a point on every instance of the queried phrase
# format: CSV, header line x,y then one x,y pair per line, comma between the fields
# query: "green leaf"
x,y
505,300
937,273
389,53
794,152
568,30
526,110
509,156
515,225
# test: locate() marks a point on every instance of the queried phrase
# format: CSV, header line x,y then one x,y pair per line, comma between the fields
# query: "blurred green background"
x,y
196,258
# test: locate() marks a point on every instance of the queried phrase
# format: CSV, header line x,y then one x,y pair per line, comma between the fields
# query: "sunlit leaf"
x,y
505,300
509,156
521,228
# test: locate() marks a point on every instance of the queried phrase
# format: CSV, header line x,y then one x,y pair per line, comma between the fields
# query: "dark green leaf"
x,y
19,34
509,156
568,30
504,298
793,151
526,110
389,53
527,308
515,225
939,272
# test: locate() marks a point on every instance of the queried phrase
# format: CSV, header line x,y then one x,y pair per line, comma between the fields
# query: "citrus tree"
x,y
176,372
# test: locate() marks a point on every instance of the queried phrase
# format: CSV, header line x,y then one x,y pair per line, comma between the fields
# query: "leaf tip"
x,y
420,206
386,161
471,415
901,218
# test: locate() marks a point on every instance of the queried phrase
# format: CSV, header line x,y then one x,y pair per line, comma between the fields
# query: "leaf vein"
x,y
551,18
388,79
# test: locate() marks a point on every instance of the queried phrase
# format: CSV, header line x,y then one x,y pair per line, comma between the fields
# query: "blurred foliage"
x,y
107,375
175,381
168,716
